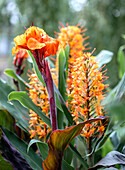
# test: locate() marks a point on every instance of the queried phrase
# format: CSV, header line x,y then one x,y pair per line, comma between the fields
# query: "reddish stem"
x,y
45,72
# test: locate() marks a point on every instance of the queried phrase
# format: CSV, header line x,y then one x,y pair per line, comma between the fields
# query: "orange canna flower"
x,y
35,38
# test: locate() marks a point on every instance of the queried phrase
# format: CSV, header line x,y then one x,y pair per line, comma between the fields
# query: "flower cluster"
x,y
75,36
38,94
85,88
87,92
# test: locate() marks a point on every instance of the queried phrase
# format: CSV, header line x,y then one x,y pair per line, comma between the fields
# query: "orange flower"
x,y
33,39
38,94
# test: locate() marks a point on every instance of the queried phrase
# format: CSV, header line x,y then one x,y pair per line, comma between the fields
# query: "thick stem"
x,y
45,72
50,89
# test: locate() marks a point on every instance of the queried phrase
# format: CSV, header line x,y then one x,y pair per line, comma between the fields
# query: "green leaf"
x,y
32,158
44,150
11,73
120,90
62,80
121,61
114,139
66,166
64,107
28,103
111,159
104,57
43,147
14,108
68,154
61,86
6,120
59,141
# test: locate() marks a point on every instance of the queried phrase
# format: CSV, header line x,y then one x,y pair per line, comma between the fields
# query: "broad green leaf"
x,y
59,98
104,57
11,73
68,154
28,103
121,61
14,108
6,120
61,78
61,86
43,147
34,160
66,166
44,150
111,159
63,105
101,141
58,105
114,139
120,89
59,141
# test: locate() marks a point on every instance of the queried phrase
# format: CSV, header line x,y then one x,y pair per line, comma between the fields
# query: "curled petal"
x,y
51,47
20,40
33,44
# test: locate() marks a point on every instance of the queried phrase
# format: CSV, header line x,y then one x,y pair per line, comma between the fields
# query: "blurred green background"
x,y
105,21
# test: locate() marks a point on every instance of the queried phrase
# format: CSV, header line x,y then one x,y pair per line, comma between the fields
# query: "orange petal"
x,y
51,48
15,50
34,32
33,44
20,40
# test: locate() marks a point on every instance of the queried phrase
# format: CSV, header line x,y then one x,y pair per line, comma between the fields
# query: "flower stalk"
x,y
41,46
47,77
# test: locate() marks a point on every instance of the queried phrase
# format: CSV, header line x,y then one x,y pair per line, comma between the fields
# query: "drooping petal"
x,y
20,40
34,32
33,44
51,47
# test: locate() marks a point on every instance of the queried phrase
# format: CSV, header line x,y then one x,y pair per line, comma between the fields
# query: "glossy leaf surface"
x,y
28,103
59,141
104,57
14,108
111,159
11,73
